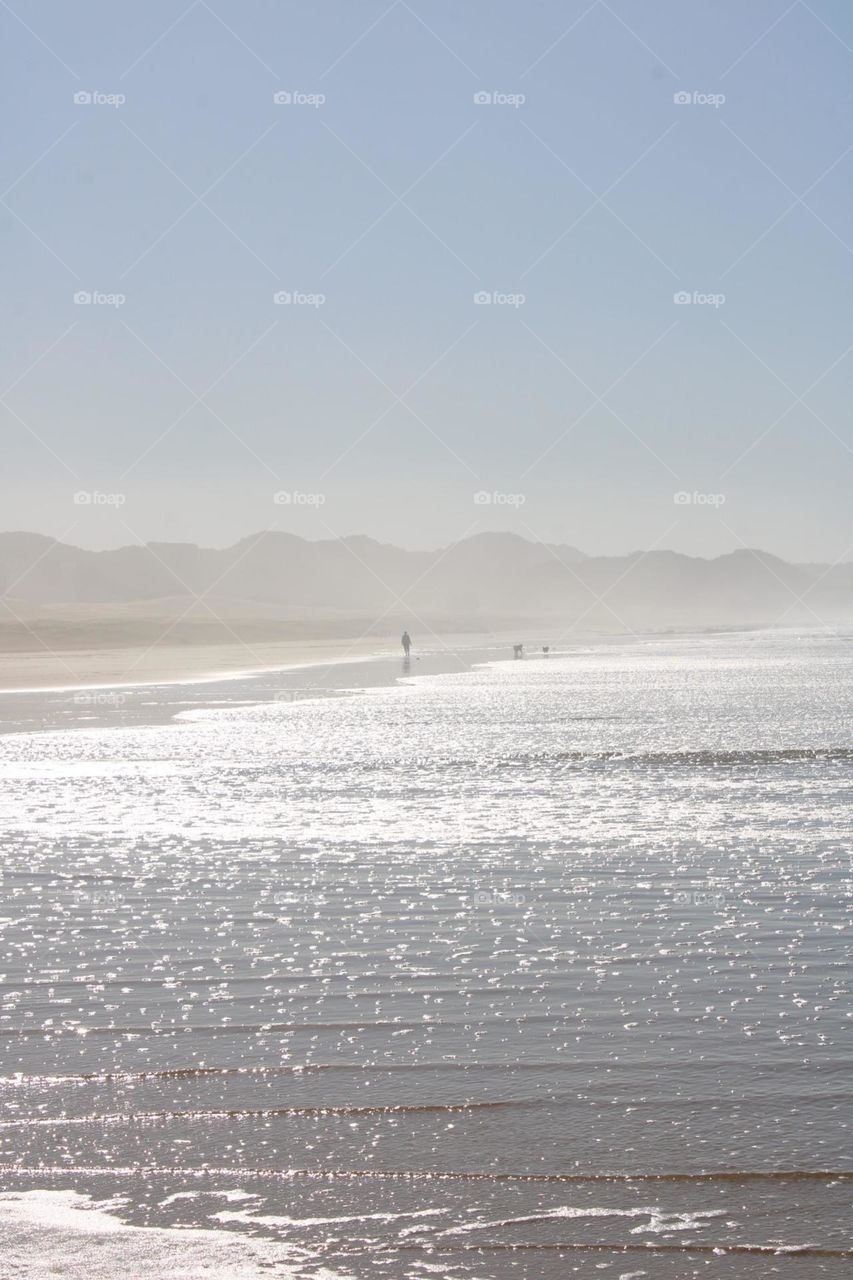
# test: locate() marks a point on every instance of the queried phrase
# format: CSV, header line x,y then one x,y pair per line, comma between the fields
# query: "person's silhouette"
x,y
406,642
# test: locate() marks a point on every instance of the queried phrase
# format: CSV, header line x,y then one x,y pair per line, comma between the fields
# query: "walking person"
x,y
406,642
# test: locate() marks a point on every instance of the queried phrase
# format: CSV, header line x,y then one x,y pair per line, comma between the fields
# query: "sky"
x,y
572,268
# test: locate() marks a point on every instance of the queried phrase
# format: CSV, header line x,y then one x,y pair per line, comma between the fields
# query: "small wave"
x,y
237,1113
653,1247
659,1220
375,1109
702,758
264,1028
427,1175
53,1233
691,759
218,1028
23,1080
252,1218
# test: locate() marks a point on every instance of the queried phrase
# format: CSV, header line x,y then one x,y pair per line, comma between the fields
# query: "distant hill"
x,y
486,579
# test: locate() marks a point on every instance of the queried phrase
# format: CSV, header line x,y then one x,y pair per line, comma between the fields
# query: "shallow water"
x,y
530,970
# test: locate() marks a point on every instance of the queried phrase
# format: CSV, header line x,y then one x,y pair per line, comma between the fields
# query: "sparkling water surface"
x,y
529,969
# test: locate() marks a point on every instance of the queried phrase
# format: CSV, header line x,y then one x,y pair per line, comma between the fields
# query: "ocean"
x,y
501,970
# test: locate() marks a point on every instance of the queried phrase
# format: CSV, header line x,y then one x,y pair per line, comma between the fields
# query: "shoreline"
x,y
67,667
331,668
207,677
333,672
103,668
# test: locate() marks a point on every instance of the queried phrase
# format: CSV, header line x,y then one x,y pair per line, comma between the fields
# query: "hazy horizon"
x,y
348,535
654,200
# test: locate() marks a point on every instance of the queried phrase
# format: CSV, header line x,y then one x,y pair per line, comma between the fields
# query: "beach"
x,y
172,642
168,664
426,641
74,646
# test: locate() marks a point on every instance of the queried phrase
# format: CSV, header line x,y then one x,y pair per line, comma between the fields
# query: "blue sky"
x,y
396,200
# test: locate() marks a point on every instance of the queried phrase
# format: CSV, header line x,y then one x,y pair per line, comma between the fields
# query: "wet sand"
x,y
100,667
165,642
320,671
172,664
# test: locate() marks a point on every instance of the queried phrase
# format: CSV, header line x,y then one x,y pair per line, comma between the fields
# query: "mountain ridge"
x,y
481,577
